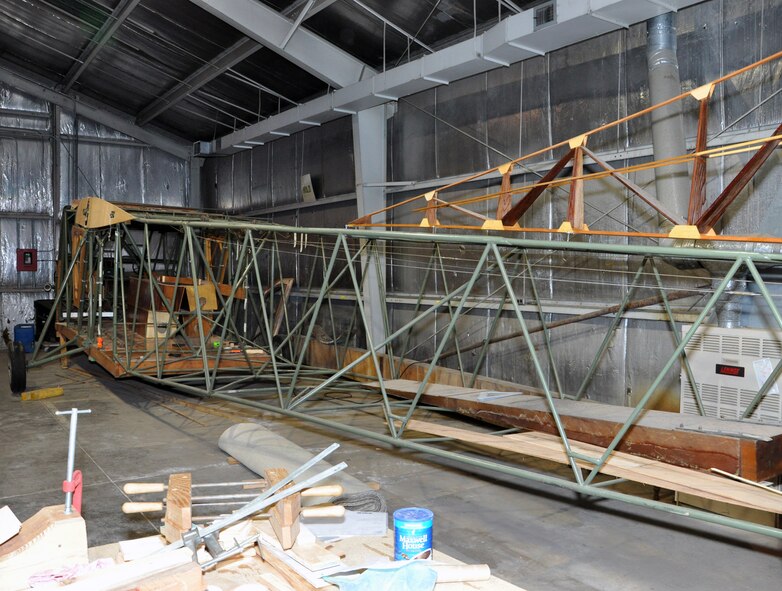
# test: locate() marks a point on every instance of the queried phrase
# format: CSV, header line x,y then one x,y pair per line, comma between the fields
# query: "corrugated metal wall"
x,y
49,158
269,176
522,108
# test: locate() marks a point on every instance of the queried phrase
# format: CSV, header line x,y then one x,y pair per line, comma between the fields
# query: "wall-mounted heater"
x,y
730,365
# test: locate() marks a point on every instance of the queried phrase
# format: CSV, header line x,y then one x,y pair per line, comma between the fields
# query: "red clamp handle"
x,y
74,486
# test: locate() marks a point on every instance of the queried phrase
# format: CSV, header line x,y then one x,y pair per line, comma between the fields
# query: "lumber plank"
x,y
751,450
187,577
284,515
149,571
178,517
312,555
49,539
621,465
309,553
291,577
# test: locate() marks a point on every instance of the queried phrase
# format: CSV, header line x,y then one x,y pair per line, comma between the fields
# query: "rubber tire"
x,y
17,367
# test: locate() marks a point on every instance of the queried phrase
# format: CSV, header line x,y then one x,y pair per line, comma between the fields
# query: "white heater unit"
x,y
730,365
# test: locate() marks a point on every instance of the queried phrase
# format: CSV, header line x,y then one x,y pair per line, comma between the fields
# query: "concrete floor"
x,y
535,536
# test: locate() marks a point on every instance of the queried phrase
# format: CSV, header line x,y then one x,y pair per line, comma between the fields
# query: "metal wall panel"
x,y
414,149
209,194
338,176
9,242
770,43
313,154
17,308
97,161
225,183
742,26
121,172
649,345
700,53
242,181
577,106
270,175
26,233
25,180
86,128
535,112
635,96
461,112
260,187
503,108
286,171
166,178
13,101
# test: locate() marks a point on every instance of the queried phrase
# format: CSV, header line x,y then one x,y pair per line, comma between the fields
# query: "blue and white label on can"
x,y
413,533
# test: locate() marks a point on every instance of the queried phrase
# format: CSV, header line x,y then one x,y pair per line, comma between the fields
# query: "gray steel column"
x,y
369,147
672,182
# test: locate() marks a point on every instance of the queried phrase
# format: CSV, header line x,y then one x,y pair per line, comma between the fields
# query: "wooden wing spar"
x,y
699,223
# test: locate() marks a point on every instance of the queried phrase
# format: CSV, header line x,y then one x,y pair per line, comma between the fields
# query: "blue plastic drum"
x,y
25,334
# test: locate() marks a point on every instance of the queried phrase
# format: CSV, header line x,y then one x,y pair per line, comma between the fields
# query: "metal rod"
x,y
74,413
610,332
677,339
771,380
538,369
543,326
465,293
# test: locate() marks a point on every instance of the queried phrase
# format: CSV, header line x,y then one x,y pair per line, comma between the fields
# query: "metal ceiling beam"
x,y
317,6
239,51
100,114
513,39
113,22
305,49
299,19
395,27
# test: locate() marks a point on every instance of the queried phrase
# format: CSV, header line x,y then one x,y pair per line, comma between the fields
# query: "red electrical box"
x,y
26,259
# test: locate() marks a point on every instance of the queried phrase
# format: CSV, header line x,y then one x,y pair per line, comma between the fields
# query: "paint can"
x,y
25,334
413,533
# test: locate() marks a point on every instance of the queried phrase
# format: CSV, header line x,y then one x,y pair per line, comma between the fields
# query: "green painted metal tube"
x,y
461,239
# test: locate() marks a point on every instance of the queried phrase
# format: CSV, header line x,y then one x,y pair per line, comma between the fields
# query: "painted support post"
x,y
698,186
575,209
369,148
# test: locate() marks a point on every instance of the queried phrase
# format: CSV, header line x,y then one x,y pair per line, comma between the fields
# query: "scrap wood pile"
x,y
266,535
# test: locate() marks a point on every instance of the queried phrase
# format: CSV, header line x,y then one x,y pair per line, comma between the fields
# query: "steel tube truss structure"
x,y
273,317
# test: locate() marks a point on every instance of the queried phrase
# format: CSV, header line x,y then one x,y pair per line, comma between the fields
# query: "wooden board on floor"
x,y
748,449
621,465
